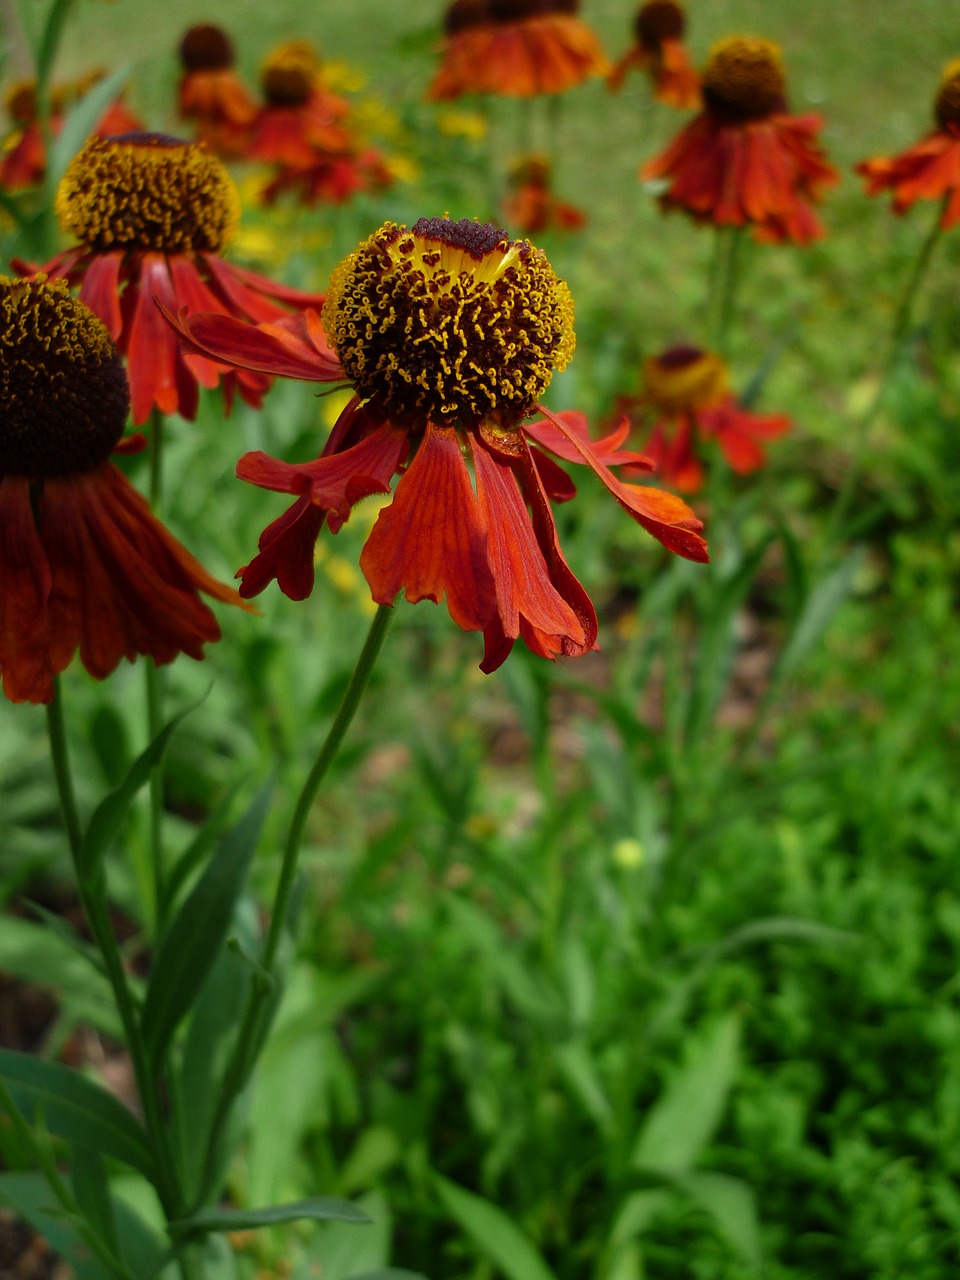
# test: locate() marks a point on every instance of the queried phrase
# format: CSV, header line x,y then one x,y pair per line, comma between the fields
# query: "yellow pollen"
x,y
148,191
63,389
449,322
684,379
947,103
744,80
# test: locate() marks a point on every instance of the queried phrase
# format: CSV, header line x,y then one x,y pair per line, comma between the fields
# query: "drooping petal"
x,y
286,549
248,346
520,572
431,541
608,450
148,343
100,290
25,666
667,517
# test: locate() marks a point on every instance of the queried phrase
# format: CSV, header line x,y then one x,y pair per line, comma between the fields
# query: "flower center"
x,y
659,20
290,73
744,80
22,102
947,104
463,14
206,48
148,191
449,322
520,10
63,389
683,379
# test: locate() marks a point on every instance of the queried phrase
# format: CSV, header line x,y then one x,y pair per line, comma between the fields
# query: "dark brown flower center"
x,y
148,191
463,14
206,48
449,323
63,389
520,10
947,104
290,74
659,20
743,80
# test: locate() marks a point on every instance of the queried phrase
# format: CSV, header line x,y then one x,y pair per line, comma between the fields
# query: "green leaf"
x,y
387,1273
76,1109
732,1206
494,1234
198,848
81,122
110,813
317,1209
91,1190
576,1063
195,938
28,1195
818,611
683,1119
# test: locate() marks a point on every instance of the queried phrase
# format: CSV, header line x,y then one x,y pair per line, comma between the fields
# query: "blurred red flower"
x,y
659,51
744,161
211,93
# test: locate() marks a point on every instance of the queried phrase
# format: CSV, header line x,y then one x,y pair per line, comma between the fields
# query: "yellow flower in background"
x,y
628,854
463,124
340,77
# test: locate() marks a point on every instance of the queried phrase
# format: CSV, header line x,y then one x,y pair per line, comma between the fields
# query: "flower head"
x,y
449,332
685,403
517,47
83,562
151,215
744,161
930,169
659,27
211,93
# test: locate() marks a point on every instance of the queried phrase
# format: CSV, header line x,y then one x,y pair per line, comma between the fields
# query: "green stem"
x,y
251,1031
898,334
154,894
728,278
92,889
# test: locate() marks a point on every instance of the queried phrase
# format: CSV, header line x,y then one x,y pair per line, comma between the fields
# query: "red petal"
x,y
150,346
286,553
235,342
431,541
25,665
668,518
606,450
100,290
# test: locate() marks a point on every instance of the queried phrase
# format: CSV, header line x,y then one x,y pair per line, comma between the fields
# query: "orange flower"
x,y
84,565
449,333
743,161
686,394
532,207
332,179
516,47
659,51
211,93
300,121
152,214
930,169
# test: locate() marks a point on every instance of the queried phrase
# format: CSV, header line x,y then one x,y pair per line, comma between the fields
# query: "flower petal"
x,y
247,346
25,582
432,541
667,517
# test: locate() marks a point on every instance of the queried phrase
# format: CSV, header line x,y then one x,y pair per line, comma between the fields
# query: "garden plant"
x,y
478,598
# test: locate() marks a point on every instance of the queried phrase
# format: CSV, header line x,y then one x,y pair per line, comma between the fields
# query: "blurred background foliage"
x,y
645,964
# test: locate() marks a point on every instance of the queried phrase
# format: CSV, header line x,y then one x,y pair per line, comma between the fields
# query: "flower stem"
x,y
154,691
91,884
726,281
252,1028
898,334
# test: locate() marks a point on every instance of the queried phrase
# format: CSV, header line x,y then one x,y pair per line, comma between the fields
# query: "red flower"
x,y
84,565
532,207
743,161
930,169
686,393
211,93
660,52
449,333
517,47
151,213
300,122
